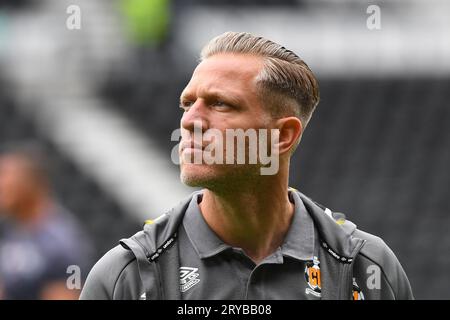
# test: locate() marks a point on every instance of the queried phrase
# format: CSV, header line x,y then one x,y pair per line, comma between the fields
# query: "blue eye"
x,y
220,104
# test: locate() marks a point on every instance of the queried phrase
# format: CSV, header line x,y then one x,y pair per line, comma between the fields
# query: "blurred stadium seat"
x,y
376,149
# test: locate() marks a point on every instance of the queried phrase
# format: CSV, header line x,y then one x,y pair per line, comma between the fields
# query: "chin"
x,y
197,175
217,177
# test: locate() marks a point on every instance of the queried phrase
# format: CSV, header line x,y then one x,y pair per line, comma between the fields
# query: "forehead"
x,y
226,71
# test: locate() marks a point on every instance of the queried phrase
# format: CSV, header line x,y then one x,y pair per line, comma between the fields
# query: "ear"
x,y
290,130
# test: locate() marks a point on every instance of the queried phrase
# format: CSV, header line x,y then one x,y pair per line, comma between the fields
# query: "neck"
x,y
255,219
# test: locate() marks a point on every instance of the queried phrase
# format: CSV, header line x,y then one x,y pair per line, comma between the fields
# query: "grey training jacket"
x,y
146,265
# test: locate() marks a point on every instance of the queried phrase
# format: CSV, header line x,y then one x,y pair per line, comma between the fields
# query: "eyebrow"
x,y
231,98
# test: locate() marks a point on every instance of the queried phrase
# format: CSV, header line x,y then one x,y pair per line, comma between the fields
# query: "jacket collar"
x,y
335,235
298,243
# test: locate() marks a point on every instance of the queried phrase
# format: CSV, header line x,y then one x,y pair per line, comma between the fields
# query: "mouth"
x,y
191,146
191,153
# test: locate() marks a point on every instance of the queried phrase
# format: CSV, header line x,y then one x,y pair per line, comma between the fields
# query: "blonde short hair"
x,y
287,85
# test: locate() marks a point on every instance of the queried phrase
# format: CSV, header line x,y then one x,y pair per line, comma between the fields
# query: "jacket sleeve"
x,y
377,251
114,276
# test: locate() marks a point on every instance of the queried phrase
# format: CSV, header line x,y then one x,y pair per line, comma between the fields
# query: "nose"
x,y
195,116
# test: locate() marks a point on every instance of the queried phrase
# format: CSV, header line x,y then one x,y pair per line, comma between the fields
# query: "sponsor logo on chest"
x,y
188,278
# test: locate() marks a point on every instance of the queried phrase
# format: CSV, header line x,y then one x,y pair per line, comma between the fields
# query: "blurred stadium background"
x,y
103,101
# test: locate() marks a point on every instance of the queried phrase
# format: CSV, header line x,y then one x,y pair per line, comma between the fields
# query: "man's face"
x,y
15,183
221,95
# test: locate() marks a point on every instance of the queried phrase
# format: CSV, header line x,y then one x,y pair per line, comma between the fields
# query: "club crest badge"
x,y
357,294
312,277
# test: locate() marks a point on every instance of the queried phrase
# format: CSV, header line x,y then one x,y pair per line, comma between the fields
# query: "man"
x,y
39,239
247,235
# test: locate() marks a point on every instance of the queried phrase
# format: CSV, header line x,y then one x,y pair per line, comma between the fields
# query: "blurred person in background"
x,y
39,239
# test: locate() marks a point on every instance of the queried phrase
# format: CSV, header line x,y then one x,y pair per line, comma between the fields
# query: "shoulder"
x,y
114,276
375,247
377,255
376,258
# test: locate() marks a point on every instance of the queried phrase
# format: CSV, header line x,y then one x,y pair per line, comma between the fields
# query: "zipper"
x,y
346,278
156,269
